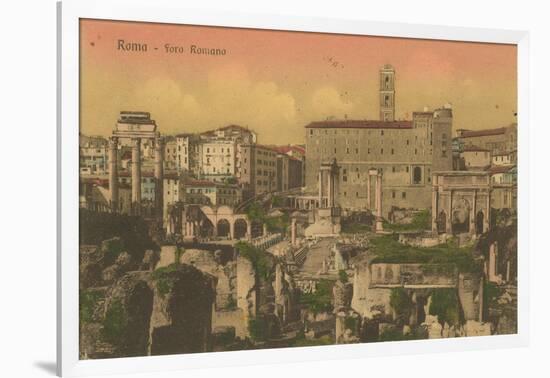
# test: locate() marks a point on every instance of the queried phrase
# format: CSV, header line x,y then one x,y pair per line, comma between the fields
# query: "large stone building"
x,y
406,152
258,169
500,140
93,155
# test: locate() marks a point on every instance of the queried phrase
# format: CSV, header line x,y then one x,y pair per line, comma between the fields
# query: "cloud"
x,y
327,101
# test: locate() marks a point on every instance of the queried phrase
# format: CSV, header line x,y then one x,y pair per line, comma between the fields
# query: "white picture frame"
x,y
69,13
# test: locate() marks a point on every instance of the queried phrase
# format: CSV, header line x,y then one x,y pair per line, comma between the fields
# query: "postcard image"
x,y
251,189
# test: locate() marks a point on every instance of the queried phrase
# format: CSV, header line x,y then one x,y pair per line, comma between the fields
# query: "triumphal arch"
x,y
461,202
136,126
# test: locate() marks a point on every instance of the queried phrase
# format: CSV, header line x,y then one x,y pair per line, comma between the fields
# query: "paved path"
x,y
316,255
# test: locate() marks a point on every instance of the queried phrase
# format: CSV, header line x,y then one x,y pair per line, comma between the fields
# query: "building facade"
x,y
500,140
405,152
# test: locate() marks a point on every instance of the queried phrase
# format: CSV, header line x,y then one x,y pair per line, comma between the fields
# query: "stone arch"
x,y
461,216
223,227
240,227
206,228
479,222
442,222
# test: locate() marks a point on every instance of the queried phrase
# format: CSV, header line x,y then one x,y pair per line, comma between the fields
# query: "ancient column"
x,y
320,189
480,296
136,175
435,210
493,251
159,176
293,232
379,202
249,230
368,191
449,222
232,230
184,222
264,229
486,223
473,213
329,188
113,173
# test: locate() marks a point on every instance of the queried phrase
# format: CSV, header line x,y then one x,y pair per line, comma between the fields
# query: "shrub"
x,y
321,300
445,305
258,258
257,328
401,303
115,323
164,278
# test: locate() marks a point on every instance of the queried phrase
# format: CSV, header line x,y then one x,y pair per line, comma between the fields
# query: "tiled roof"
x,y
474,148
360,124
479,133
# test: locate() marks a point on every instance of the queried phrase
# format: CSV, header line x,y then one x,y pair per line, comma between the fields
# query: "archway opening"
x,y
441,222
223,228
240,228
206,228
461,224
479,222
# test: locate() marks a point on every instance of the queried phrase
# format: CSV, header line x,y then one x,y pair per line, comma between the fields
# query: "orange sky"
x,y
276,82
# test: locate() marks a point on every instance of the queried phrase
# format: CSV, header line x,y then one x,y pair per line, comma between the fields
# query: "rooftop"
x,y
475,149
360,124
486,132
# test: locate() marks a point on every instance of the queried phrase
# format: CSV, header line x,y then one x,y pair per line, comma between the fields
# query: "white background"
x,y
28,168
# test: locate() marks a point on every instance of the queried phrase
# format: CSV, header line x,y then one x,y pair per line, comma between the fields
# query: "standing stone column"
x,y
450,213
368,191
329,188
159,176
232,230
249,230
487,218
379,226
473,213
435,210
183,222
113,173
320,189
293,232
136,176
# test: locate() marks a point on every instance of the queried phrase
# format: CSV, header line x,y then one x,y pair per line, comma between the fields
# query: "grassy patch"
x,y
388,250
395,334
421,221
356,228
445,305
303,342
400,302
321,300
165,278
278,224
257,328
258,258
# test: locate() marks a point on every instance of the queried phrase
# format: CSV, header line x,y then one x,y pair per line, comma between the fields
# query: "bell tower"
x,y
387,93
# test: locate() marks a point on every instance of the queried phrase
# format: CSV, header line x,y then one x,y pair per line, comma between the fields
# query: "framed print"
x,y
279,189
